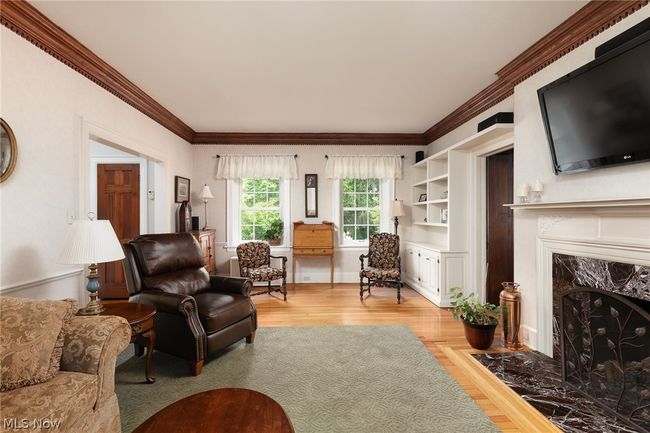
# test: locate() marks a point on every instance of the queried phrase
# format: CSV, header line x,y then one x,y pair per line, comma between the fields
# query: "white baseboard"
x,y
529,336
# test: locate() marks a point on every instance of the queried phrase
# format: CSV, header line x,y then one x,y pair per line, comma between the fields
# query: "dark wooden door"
x,y
118,200
500,254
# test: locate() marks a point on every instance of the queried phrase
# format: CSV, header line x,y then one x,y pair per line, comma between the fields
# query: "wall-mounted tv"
x,y
599,114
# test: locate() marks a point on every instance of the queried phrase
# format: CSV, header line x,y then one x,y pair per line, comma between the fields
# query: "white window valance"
x,y
364,167
257,167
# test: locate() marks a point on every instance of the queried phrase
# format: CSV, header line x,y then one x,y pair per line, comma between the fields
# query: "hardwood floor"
x,y
318,304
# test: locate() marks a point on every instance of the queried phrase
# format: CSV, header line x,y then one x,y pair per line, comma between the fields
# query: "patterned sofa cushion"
x,y
63,399
32,339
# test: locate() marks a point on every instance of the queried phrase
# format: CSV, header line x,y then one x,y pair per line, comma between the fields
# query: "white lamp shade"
x,y
397,208
205,193
91,242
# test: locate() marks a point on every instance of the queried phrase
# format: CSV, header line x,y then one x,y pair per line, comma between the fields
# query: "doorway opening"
x,y
121,190
499,223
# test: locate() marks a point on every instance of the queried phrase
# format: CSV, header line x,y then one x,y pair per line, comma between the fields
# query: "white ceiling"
x,y
309,66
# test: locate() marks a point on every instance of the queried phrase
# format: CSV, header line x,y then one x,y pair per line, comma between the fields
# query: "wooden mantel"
x,y
581,204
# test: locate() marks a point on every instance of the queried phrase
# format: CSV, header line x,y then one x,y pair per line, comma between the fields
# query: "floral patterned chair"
x,y
383,267
255,264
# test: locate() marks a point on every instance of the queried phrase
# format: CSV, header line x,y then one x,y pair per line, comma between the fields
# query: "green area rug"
x,y
329,379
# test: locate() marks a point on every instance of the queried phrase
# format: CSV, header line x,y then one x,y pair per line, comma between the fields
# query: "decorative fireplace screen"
x,y
605,348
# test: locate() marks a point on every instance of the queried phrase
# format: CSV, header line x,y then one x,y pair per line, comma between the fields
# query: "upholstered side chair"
x,y
255,263
197,314
381,266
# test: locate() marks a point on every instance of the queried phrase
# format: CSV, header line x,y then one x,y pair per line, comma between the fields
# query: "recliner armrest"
x,y
236,285
165,302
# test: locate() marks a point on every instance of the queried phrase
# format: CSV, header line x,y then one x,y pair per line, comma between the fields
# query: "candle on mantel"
x,y
523,190
538,186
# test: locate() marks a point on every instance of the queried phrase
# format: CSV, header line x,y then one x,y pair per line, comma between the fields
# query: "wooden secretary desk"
x,y
313,240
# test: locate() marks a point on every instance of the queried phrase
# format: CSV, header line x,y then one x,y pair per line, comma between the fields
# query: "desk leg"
x,y
293,272
332,271
151,343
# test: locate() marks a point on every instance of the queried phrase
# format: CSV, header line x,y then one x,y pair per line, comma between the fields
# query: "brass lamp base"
x,y
94,307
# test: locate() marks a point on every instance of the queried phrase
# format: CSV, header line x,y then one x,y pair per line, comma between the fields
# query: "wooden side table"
x,y
140,317
313,240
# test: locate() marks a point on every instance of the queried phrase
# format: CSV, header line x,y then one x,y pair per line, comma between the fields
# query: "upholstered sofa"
x,y
78,394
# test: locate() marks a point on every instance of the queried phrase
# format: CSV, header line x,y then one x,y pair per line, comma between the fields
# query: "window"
x,y
260,206
254,205
361,206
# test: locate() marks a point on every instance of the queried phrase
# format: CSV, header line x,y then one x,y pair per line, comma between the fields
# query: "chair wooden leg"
x,y
361,288
196,367
251,338
284,287
269,289
399,286
139,349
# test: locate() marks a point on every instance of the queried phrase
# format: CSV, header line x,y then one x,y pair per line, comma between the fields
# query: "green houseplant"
x,y
273,233
479,319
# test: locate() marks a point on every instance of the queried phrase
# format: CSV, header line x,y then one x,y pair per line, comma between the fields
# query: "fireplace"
x,y
601,327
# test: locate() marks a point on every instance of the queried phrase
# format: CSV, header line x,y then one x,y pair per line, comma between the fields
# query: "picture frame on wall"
x,y
181,189
311,196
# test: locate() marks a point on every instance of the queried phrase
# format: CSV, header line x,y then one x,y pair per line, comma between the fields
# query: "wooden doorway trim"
x,y
477,256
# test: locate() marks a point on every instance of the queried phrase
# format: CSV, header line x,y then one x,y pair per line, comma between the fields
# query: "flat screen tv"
x,y
599,114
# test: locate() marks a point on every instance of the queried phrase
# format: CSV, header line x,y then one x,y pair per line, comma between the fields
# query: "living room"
x,y
269,216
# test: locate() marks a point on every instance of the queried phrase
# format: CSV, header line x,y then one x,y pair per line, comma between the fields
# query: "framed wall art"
x,y
181,189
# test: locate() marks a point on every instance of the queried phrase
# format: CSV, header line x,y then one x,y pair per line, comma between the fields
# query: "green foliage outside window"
x,y
361,208
260,208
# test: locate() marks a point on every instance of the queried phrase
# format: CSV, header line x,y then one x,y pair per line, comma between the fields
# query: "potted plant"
x,y
273,233
479,319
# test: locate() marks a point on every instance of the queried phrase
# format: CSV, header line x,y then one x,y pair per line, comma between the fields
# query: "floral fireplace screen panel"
x,y
605,348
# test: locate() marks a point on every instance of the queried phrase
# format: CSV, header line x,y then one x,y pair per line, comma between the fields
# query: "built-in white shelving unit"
x,y
433,269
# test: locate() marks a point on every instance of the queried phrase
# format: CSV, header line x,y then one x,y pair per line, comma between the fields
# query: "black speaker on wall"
x,y
419,155
195,223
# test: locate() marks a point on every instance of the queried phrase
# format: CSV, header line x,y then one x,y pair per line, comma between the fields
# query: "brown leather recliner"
x,y
197,314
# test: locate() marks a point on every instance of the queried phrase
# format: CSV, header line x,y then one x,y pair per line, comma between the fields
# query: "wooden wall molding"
x,y
359,139
595,17
589,21
25,20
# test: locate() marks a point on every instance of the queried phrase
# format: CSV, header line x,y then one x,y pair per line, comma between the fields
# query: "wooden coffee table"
x,y
140,317
224,410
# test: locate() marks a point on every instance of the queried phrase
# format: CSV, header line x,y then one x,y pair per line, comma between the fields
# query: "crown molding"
x,y
589,21
359,139
25,20
595,17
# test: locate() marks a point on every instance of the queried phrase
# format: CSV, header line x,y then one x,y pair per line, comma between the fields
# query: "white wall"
x,y
311,159
532,161
49,106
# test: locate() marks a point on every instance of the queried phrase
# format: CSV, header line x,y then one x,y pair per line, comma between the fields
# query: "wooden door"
x,y
500,255
118,200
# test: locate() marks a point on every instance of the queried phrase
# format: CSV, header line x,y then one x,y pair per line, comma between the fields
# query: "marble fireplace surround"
x,y
620,234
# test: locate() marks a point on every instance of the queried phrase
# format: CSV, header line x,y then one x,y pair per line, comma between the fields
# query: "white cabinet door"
x,y
435,274
426,273
411,268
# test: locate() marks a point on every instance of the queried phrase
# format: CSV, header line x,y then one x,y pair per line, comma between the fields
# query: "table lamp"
x,y
397,210
205,195
90,242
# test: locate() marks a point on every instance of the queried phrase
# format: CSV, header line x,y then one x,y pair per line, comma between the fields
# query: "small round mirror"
x,y
8,150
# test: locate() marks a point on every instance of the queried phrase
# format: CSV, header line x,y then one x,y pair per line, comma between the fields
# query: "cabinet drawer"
x,y
312,251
